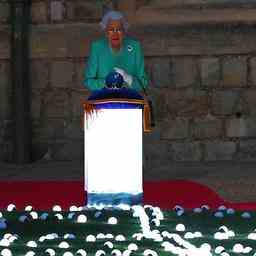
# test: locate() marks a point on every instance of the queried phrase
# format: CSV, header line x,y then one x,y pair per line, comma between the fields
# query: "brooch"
x,y
129,48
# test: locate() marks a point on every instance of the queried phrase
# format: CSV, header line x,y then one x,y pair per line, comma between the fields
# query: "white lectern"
x,y
113,151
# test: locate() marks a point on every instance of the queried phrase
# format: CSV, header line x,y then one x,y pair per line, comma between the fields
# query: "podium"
x,y
113,146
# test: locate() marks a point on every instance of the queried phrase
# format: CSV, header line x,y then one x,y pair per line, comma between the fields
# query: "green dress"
x,y
102,60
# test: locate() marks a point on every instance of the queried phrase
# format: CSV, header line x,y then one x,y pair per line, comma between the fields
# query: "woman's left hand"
x,y
127,78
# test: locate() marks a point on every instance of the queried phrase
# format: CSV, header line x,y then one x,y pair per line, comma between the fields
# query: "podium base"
x,y
114,199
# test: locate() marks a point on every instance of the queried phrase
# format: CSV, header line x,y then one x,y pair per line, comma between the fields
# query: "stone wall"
x,y
6,123
200,57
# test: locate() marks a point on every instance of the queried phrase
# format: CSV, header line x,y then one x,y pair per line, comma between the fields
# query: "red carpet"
x,y
167,194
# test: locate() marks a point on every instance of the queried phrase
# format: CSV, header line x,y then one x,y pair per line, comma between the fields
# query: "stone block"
x,y
249,96
6,140
39,73
85,10
39,149
128,7
149,66
236,127
185,72
250,127
5,91
208,127
80,71
163,40
1,151
175,129
4,12
157,155
78,97
153,44
253,71
108,5
247,150
189,102
5,47
57,10
73,130
222,150
234,72
39,12
223,102
1,132
48,129
241,106
39,42
59,39
161,72
56,104
7,128
161,103
186,151
36,102
5,75
210,72
152,137
85,35
62,73
7,152
68,150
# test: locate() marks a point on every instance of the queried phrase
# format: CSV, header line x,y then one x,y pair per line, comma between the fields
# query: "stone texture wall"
x,y
6,123
202,77
204,96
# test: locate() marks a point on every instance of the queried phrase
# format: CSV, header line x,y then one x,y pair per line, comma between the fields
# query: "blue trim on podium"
x,y
123,93
108,93
118,105
114,198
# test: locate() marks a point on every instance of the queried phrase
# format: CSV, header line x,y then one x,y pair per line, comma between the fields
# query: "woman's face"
x,y
115,33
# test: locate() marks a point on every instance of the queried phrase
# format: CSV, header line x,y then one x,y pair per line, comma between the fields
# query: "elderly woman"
x,y
115,52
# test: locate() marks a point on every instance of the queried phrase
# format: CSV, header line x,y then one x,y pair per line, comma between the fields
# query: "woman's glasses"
x,y
115,30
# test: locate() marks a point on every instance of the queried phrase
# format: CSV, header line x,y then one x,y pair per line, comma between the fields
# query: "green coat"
x,y
102,60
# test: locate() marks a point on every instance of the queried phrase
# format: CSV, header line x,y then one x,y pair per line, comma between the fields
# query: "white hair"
x,y
114,15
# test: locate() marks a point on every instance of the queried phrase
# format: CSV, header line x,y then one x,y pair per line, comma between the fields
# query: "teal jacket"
x,y
102,60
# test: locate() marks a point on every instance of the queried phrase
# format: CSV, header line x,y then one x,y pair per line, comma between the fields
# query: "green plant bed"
x,y
63,226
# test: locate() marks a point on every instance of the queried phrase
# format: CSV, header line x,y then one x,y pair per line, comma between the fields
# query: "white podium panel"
x,y
113,156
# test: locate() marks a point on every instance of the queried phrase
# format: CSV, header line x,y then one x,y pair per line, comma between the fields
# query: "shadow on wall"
x,y
58,151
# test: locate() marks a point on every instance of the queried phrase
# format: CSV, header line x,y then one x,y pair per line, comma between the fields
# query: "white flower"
x,y
81,252
149,252
238,248
28,208
132,247
219,249
50,251
90,238
180,227
112,221
120,238
56,208
11,207
6,252
30,253
116,252
63,245
109,244
32,244
81,218
246,215
100,253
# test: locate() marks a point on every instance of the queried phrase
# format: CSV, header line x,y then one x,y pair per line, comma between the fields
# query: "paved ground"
x,y
234,181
